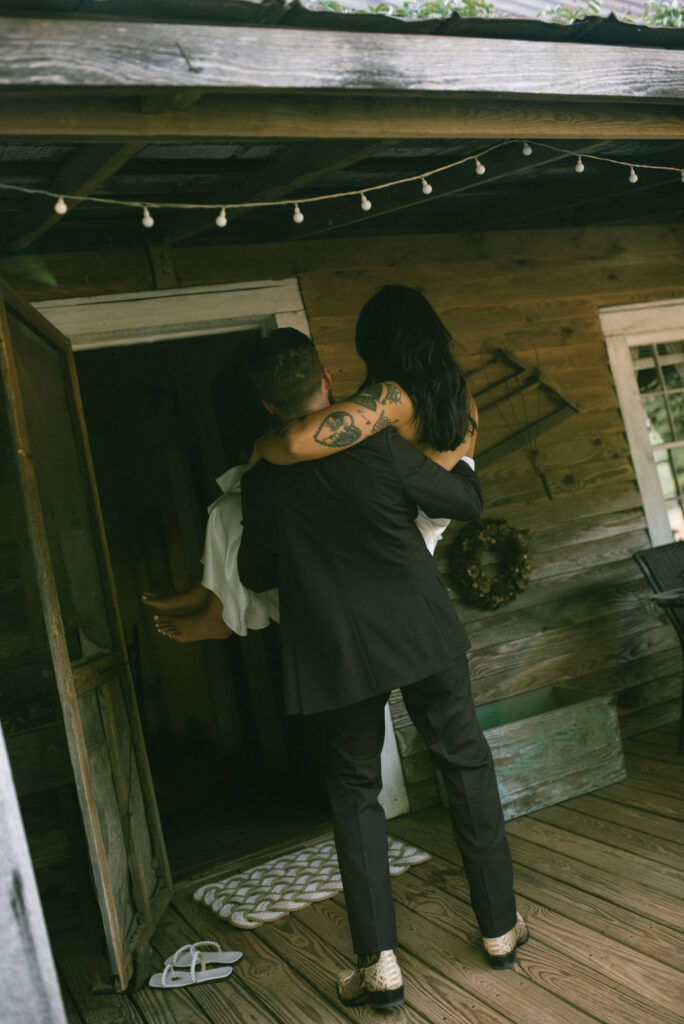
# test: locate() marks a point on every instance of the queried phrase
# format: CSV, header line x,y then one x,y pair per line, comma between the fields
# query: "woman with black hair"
x,y
413,385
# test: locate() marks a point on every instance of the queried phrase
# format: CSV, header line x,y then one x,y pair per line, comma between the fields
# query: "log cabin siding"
x,y
585,619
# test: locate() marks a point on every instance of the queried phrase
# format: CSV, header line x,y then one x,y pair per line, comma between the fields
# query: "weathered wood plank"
x,y
143,55
31,990
562,885
663,851
602,969
645,822
634,794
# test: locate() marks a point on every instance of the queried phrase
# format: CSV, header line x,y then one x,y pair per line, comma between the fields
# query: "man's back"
x,y
363,607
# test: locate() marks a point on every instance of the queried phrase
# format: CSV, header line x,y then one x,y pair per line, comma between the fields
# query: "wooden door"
x,y
129,863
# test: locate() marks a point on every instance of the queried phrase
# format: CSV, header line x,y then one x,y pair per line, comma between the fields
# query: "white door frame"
x,y
624,327
134,318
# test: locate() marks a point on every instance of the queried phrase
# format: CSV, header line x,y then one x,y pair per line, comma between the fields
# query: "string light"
x,y
60,204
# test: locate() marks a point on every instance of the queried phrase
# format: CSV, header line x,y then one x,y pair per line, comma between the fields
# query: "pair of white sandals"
x,y
195,955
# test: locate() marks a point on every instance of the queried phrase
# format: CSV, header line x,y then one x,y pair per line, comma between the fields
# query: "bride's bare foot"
x,y
185,602
206,624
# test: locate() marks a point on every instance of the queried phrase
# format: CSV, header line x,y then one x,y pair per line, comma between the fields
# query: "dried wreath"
x,y
466,569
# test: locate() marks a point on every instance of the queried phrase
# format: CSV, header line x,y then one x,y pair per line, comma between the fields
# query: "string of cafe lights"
x,y
61,206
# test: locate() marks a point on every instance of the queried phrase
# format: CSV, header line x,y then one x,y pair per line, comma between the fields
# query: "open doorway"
x,y
232,775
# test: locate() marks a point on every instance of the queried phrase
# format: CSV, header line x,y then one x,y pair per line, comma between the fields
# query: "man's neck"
x,y
317,404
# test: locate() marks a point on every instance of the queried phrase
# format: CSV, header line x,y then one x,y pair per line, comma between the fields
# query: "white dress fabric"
x,y
243,609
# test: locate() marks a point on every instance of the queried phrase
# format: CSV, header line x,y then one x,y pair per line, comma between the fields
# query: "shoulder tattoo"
x,y
337,430
368,397
393,396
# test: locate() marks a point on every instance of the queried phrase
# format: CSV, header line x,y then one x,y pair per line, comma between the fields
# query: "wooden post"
x,y
30,990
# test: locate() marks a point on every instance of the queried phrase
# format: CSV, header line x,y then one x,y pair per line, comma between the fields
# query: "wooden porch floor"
x,y
600,880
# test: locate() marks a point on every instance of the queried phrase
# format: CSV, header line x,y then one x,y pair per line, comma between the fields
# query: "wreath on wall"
x,y
515,566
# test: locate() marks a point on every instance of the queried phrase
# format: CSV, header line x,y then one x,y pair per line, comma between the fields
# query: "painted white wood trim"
x,y
634,417
30,991
644,317
140,317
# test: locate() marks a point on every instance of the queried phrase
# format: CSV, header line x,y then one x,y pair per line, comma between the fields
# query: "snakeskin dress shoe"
x,y
377,980
501,950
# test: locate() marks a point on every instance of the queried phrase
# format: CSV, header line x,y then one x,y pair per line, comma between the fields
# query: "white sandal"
x,y
183,956
171,977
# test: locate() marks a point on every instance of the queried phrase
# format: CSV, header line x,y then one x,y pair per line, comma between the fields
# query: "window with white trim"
x,y
646,351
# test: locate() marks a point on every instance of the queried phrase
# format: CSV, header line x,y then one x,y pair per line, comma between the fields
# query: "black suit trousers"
x,y
442,710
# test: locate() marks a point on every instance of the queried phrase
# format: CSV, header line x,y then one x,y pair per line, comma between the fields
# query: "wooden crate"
x,y
551,745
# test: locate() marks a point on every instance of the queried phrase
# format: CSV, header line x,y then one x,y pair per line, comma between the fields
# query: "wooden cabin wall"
x,y
585,619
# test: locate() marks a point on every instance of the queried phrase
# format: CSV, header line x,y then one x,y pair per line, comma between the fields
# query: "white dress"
x,y
243,609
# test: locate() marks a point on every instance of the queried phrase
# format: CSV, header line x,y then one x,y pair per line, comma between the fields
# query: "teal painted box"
x,y
551,745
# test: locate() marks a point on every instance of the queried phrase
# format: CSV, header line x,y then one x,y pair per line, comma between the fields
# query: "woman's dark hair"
x,y
400,337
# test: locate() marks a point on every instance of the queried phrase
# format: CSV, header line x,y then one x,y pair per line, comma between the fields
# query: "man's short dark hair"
x,y
285,369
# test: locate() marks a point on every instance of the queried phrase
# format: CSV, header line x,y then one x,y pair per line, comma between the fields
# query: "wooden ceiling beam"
x,y
80,175
139,55
117,119
292,171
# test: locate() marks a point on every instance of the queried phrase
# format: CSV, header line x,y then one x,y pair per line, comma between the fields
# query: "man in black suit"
x,y
364,610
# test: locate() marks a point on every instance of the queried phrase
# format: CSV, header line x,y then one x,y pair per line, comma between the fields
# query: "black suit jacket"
x,y
363,606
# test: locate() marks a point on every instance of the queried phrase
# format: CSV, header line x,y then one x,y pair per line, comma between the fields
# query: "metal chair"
x,y
663,567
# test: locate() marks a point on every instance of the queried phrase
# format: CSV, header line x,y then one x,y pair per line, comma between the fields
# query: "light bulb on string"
x,y
147,219
527,149
61,207
222,220
427,187
297,216
579,166
633,176
365,202
479,167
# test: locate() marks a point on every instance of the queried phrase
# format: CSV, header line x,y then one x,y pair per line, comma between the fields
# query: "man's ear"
x,y
269,407
327,379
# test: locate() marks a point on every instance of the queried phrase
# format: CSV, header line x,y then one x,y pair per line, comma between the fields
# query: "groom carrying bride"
x,y
364,611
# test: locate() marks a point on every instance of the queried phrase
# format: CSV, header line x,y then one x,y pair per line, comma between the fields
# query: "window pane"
x,y
657,420
642,352
665,474
648,380
677,456
670,348
674,514
674,375
677,410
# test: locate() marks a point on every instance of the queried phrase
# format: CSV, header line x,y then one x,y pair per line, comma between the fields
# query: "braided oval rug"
x,y
291,882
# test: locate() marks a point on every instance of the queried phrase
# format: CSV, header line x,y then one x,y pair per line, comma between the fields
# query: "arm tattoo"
x,y
337,430
393,396
381,423
368,397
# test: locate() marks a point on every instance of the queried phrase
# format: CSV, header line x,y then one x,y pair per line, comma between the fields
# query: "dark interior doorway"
x,y
164,420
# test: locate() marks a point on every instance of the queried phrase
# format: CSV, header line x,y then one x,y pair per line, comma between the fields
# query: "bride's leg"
x,y
206,624
185,602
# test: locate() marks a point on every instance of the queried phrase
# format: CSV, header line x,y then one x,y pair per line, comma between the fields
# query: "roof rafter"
x,y
80,175
293,170
402,197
